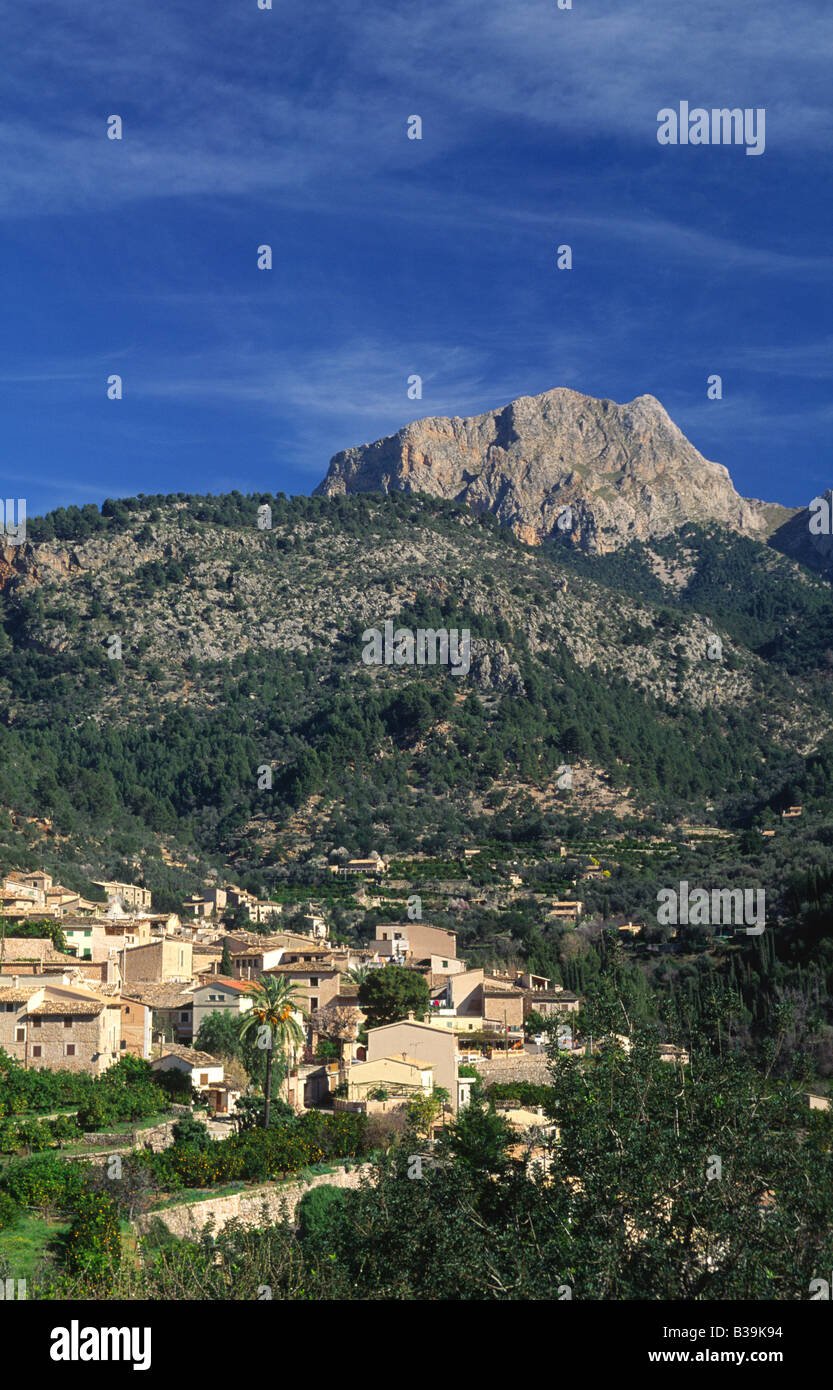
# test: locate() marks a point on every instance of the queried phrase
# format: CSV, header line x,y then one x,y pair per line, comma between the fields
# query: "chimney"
x,y
15,981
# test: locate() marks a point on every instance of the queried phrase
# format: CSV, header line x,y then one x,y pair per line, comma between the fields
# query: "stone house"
x,y
129,894
32,954
59,1026
401,1076
428,1045
202,1069
317,984
167,958
171,1005
250,962
552,1003
416,941
375,864
136,1021
97,938
218,993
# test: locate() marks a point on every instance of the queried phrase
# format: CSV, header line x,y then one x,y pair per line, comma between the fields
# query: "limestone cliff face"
x,y
19,563
625,471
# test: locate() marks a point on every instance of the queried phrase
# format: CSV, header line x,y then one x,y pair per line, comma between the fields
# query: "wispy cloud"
x,y
227,103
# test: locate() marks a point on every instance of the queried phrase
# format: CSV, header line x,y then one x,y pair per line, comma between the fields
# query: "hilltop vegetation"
x,y
241,648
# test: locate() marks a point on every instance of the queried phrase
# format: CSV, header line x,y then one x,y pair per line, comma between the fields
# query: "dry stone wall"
x,y
526,1066
251,1207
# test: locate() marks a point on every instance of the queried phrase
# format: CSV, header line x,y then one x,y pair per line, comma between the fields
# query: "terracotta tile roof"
x,y
298,969
163,995
227,983
188,1054
71,923
63,1007
29,948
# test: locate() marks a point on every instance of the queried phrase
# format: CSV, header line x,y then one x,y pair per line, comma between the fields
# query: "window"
x,y
127,1008
183,1017
313,981
36,1051
67,1022
123,1044
36,1023
20,1035
445,965
70,1050
203,1078
88,933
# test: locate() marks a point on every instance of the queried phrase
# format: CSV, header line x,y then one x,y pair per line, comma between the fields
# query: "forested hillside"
x,y
183,691
241,647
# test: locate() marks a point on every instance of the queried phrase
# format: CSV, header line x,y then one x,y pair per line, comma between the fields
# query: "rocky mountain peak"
x,y
625,472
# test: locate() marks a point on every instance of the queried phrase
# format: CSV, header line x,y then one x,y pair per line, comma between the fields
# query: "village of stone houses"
x,y
248,1100
142,1033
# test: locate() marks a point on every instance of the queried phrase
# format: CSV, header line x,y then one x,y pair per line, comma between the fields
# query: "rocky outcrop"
x,y
625,472
23,562
492,668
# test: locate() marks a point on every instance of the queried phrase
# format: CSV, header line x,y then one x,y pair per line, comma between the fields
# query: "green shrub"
x,y
35,1135
175,1085
9,1141
65,1128
250,1112
526,1093
256,1155
98,1113
92,1242
44,1181
319,1210
190,1130
9,1212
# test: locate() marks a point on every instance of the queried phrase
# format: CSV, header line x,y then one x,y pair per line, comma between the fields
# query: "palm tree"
x,y
358,974
275,1002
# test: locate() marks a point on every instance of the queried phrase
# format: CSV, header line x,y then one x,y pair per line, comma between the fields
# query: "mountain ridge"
x,y
625,472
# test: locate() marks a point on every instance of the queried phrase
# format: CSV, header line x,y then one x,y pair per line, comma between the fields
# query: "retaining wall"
x,y
188,1217
520,1066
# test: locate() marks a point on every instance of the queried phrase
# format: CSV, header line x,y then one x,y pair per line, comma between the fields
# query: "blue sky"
x,y
394,256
